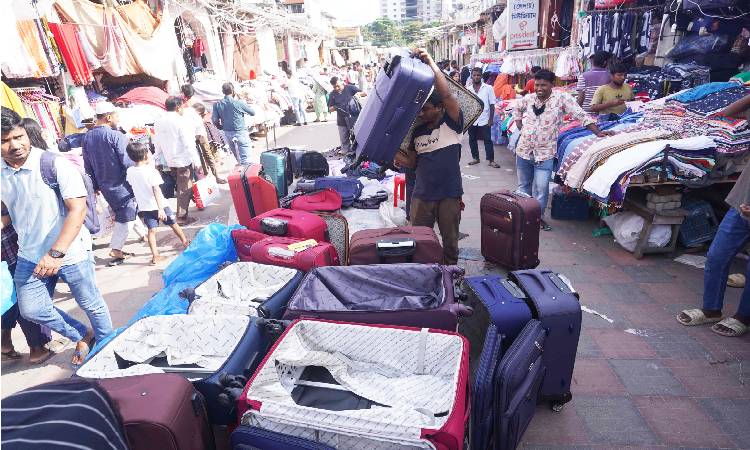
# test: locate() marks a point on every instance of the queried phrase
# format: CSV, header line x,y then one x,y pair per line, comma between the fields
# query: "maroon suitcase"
x,y
290,223
510,229
252,193
323,254
161,411
244,240
395,245
414,295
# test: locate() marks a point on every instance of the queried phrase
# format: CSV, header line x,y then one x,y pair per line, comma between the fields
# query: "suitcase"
x,y
295,157
327,199
290,223
402,368
209,350
305,185
313,165
161,411
395,245
251,193
495,301
274,251
401,89
338,233
349,188
510,229
254,438
554,303
51,416
246,288
516,385
416,295
244,240
278,167
569,206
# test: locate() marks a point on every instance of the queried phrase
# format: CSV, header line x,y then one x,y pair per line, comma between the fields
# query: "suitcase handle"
x,y
461,310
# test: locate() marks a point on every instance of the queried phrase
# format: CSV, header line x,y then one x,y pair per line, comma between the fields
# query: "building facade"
x,y
425,11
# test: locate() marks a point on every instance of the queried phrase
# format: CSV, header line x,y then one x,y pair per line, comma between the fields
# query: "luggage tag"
x,y
302,246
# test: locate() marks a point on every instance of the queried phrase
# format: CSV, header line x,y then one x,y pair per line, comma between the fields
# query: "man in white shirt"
x,y
481,128
297,94
174,140
52,241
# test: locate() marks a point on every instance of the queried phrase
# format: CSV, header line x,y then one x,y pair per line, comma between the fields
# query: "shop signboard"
x,y
523,24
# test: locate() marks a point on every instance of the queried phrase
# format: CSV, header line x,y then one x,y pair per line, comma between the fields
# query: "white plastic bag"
x,y
205,192
392,216
106,218
626,227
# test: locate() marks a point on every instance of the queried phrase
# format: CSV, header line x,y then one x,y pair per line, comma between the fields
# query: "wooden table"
x,y
673,218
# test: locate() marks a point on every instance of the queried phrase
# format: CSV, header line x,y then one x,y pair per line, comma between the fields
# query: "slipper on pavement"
x,y
730,327
115,262
46,357
11,355
697,317
736,280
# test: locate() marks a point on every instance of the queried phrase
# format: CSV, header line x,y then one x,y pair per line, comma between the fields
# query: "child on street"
x,y
152,209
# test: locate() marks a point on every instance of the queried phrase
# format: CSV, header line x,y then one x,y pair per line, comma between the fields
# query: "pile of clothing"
x,y
653,82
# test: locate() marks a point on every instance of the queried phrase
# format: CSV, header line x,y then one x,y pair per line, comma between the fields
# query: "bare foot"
x,y
157,259
40,355
186,244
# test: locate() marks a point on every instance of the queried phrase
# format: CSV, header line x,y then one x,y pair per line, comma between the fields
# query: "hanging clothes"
x,y
15,60
66,36
32,42
9,99
199,48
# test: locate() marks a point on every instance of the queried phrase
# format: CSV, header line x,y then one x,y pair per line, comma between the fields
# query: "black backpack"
x,y
314,165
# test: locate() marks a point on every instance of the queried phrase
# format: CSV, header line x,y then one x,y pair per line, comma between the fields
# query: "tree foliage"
x,y
384,32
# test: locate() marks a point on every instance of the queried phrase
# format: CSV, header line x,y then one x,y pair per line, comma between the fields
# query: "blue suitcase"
x,y
402,87
554,302
349,188
277,166
482,412
494,300
254,438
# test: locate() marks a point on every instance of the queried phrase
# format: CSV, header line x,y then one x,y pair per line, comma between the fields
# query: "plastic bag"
x,y
8,289
626,227
362,219
106,218
692,45
392,216
211,247
206,192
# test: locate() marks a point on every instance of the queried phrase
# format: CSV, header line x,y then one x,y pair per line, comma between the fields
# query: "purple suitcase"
x,y
415,295
402,87
554,302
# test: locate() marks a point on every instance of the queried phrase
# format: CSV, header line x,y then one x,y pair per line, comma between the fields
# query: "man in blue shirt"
x,y
342,101
437,143
106,162
52,241
229,115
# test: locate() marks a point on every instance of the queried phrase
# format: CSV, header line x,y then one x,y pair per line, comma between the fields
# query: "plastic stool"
x,y
399,188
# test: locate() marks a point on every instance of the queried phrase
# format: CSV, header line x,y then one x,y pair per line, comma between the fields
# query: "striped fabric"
x,y
69,414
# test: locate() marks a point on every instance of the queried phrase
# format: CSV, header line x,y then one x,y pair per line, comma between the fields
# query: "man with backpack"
x,y
106,162
52,239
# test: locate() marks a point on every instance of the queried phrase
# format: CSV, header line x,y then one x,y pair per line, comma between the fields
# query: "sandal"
x,y
46,357
115,262
11,355
695,317
474,162
736,280
494,165
730,327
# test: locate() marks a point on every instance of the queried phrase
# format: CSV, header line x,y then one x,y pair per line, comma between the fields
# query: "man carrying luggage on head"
x,y
437,143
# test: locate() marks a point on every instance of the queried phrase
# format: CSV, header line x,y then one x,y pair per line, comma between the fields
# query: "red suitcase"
x,y
510,229
161,411
264,252
395,245
308,401
290,223
251,193
244,240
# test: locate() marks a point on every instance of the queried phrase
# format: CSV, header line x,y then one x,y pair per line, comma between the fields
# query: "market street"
x,y
641,379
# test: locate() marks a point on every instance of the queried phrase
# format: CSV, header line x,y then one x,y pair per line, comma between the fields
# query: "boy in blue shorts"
x,y
152,209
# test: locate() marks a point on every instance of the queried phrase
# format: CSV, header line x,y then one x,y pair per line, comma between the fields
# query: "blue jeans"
x,y
35,299
298,105
239,144
533,178
35,335
483,133
733,235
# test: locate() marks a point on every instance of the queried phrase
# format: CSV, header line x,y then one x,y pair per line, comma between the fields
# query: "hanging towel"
x,y
67,40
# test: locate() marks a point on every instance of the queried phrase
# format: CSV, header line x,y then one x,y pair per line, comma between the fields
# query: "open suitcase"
x,y
246,288
251,193
161,411
209,350
275,251
277,165
53,413
510,229
395,245
401,88
417,295
362,386
554,303
290,223
253,438
506,387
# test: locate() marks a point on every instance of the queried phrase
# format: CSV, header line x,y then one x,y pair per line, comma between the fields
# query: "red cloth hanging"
x,y
66,37
199,48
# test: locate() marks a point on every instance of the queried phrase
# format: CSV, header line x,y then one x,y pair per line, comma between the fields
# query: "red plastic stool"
x,y
399,188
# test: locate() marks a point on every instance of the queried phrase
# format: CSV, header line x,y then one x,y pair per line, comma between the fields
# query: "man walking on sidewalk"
x,y
481,128
52,240
229,116
175,144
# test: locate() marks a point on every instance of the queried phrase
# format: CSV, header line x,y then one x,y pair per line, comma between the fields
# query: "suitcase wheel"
x,y
559,404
